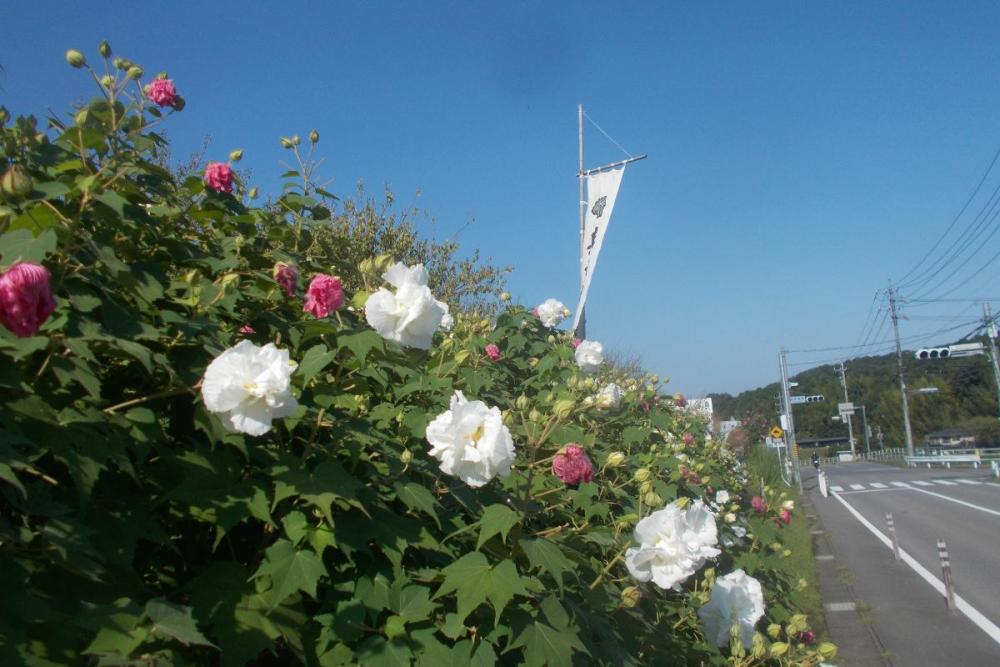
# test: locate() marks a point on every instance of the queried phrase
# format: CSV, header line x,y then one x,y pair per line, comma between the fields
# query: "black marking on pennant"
x,y
599,205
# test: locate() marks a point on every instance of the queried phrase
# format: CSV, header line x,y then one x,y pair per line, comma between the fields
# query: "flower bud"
x,y
286,143
563,409
828,650
631,597
505,296
4,115
314,137
236,155
652,499
406,456
615,459
522,402
134,72
645,487
730,517
682,502
253,193
778,649
295,140
120,63
551,339
16,181
642,474
75,58
179,103
104,48
534,415
507,417
734,631
774,631
786,553
788,505
758,650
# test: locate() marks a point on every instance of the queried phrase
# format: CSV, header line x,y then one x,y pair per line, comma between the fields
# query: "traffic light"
x,y
933,353
818,398
956,350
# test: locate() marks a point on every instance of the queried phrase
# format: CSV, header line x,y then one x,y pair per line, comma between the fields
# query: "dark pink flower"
x,y
25,298
324,295
576,341
759,504
219,176
808,637
785,516
688,439
644,405
535,311
694,478
685,471
493,352
286,276
161,92
247,329
679,400
572,465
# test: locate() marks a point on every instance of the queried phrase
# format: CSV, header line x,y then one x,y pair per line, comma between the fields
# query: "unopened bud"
x,y
313,136
507,417
4,115
551,339
758,650
75,58
774,631
631,597
286,143
730,518
534,415
295,140
563,409
16,181
734,631
645,487
179,103
615,459
779,649
120,63
505,296
653,499
682,502
828,650
253,193
134,72
642,474
104,48
522,402
236,155
406,456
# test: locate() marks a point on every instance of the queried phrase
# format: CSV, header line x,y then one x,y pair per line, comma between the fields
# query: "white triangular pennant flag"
x,y
602,190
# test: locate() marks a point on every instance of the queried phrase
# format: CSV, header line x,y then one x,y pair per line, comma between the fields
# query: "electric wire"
x,y
601,129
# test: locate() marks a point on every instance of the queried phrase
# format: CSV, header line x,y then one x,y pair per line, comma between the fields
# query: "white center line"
x,y
971,612
968,481
960,502
879,485
920,482
902,484
857,487
944,482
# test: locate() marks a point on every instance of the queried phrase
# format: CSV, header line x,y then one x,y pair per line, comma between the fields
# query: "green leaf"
x,y
290,571
295,525
413,603
21,244
497,519
361,343
474,582
418,498
547,556
544,645
314,360
175,621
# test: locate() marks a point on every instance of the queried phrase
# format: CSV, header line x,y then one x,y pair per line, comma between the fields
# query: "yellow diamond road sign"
x,y
776,432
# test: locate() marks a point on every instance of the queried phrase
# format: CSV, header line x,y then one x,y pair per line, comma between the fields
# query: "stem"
x,y
607,568
152,397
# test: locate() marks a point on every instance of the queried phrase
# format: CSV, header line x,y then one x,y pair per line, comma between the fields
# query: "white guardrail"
x,y
944,459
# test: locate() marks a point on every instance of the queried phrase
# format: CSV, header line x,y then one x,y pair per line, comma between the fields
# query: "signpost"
x,y
845,409
776,432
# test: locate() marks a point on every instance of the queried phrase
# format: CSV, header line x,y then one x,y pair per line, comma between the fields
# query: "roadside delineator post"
x,y
892,532
949,585
822,484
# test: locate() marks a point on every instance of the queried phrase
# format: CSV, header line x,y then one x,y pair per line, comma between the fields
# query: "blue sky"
x,y
801,154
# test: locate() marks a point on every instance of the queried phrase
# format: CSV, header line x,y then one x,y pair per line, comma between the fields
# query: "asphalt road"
x,y
961,506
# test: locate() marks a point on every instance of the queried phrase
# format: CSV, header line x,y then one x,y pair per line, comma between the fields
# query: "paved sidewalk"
x,y
879,611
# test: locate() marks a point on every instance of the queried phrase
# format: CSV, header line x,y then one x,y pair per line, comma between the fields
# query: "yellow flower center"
x,y
478,434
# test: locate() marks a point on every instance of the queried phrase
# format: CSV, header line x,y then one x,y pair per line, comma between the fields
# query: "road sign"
x,y
798,399
845,409
815,398
776,432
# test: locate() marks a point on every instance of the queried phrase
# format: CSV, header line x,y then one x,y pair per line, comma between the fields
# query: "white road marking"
x,y
944,482
960,502
971,612
840,488
824,557
857,487
901,484
840,606
879,485
968,481
920,482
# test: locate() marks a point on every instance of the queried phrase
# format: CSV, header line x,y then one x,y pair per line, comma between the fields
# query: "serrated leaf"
x,y
475,582
418,498
547,556
175,621
413,603
21,244
290,571
361,343
497,519
315,360
544,645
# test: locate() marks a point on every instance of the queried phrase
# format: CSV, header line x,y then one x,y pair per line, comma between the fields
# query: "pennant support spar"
x,y
601,184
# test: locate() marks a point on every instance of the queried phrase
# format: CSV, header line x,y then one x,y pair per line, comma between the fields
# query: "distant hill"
x,y
966,392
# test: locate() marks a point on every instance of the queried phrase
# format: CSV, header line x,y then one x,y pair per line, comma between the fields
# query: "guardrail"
x,y
945,459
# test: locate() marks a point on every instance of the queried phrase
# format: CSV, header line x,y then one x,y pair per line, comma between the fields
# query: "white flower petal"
x,y
471,442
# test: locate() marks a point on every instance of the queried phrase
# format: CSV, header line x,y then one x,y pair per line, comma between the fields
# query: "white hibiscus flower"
x,y
673,544
589,356
736,599
248,386
409,316
551,312
609,397
471,441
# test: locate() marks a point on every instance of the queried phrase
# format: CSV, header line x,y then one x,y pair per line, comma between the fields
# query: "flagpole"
x,y
581,329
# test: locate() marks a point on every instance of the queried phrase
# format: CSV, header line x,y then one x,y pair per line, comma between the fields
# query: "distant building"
x,y
951,437
701,406
726,427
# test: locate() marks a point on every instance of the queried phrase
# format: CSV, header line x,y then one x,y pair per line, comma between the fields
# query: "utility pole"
x,y
902,380
850,425
786,400
991,336
864,420
581,329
